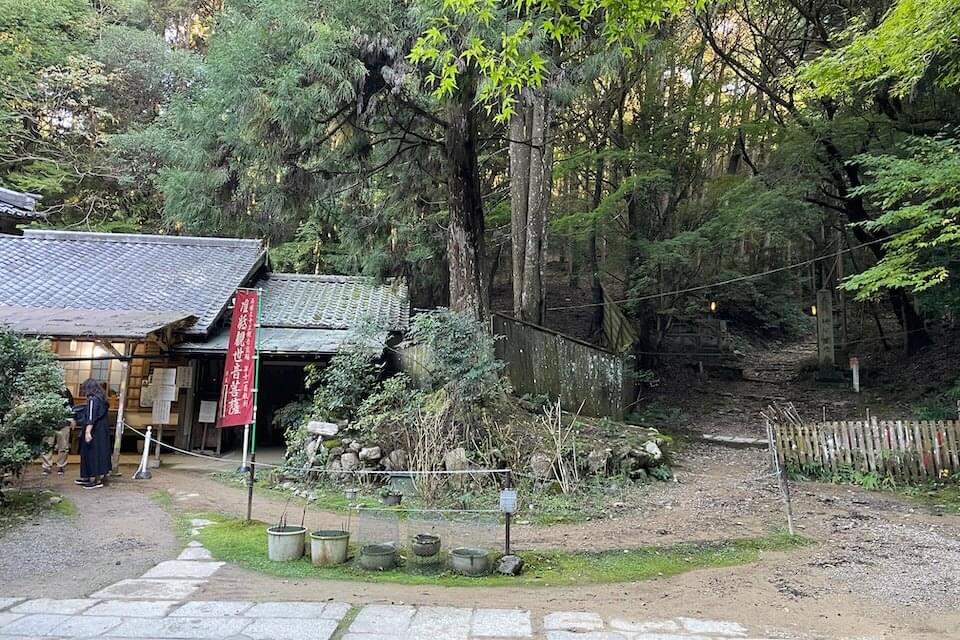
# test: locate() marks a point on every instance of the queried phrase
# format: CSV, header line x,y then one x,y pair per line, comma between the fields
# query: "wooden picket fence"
x,y
909,450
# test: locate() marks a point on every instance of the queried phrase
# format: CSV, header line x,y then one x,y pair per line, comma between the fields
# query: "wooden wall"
x,y
544,362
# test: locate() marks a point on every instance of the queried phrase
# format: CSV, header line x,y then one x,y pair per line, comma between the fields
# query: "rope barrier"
x,y
407,472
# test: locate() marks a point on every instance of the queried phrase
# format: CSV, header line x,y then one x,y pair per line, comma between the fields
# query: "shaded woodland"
x,y
676,157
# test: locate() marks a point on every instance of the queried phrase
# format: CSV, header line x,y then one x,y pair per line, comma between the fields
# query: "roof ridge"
x,y
138,238
316,277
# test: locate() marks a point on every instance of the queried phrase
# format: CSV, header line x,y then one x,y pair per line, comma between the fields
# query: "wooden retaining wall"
x,y
909,450
540,361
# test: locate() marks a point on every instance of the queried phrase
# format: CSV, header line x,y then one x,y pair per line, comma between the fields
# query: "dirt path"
x,y
117,534
882,567
727,403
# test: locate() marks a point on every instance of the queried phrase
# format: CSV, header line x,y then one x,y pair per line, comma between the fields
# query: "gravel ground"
x,y
118,534
910,565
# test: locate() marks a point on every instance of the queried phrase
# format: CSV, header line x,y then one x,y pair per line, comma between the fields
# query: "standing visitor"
x,y
60,442
94,437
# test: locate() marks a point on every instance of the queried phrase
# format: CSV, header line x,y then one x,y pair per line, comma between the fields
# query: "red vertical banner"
x,y
239,371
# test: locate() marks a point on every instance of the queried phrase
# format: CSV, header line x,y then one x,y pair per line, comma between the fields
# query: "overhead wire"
x,y
730,281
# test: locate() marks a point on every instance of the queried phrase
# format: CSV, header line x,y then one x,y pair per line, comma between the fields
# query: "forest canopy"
x,y
530,156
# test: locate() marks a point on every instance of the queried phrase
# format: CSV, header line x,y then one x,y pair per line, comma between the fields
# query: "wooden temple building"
x,y
148,316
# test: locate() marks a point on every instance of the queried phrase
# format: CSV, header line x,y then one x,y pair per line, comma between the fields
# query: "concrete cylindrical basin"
x,y
285,543
468,561
378,557
329,547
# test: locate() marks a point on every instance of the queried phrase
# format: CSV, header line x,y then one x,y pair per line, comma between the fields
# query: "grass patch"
x,y
246,545
942,496
596,498
17,507
181,523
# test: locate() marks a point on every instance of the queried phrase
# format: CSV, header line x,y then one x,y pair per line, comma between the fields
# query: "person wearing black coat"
x,y
94,437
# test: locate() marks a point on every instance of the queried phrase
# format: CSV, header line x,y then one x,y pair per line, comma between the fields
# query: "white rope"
x,y
408,472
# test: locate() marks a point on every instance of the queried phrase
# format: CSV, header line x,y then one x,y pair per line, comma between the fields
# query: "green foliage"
x,y
461,355
31,407
508,44
915,40
919,193
395,403
341,387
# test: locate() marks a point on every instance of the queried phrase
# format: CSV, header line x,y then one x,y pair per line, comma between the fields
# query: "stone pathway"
x,y
157,606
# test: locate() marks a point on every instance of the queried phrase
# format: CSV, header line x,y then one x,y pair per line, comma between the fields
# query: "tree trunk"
x,y
596,290
465,229
531,160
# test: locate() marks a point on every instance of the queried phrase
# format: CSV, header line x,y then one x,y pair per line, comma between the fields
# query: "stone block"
x,y
713,627
40,624
211,609
192,628
572,621
6,603
501,623
289,628
183,569
430,623
49,605
324,429
141,589
286,610
132,608
195,553
375,618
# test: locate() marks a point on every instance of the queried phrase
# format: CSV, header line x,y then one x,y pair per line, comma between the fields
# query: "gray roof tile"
x,y
297,301
21,206
124,272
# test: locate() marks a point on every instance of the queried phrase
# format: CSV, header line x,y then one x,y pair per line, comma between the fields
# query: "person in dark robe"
x,y
94,437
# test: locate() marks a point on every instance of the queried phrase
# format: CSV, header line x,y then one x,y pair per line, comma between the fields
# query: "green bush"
x,y
461,355
31,407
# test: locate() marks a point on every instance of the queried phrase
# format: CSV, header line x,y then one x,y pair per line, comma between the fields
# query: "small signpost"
x,y
508,506
855,369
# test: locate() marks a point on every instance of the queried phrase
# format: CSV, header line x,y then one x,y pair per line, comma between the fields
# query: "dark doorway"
x,y
280,384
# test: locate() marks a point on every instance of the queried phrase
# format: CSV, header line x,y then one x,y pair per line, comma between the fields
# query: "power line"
x,y
724,283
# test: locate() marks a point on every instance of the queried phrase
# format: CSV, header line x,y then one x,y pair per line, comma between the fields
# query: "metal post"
x,y
159,440
508,517
780,470
121,408
143,471
253,431
244,467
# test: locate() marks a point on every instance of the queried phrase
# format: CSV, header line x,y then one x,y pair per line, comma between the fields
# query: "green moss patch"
x,y
245,544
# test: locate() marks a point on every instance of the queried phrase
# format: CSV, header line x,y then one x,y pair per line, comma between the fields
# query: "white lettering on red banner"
x,y
237,397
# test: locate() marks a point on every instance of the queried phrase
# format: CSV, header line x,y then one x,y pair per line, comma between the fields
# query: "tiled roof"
x,y
278,341
21,206
93,323
297,301
124,272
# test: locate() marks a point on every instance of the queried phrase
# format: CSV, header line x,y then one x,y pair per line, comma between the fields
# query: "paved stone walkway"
x,y
157,606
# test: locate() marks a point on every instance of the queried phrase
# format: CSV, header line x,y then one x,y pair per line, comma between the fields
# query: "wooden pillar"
x,y
825,339
121,405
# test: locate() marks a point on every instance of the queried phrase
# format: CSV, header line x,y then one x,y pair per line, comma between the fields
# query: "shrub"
x,y
31,407
461,355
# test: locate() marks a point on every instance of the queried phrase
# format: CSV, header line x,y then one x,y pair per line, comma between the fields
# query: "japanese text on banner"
x,y
236,397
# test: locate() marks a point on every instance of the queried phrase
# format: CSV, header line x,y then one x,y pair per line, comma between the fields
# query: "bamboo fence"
x,y
909,450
